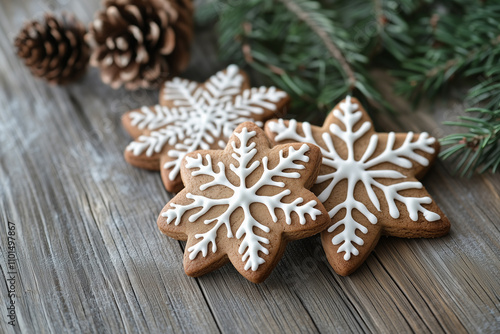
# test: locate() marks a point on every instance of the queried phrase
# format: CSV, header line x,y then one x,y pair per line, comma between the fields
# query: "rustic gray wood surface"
x,y
91,259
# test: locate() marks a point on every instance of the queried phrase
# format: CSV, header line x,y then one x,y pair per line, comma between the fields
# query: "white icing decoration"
x,y
243,196
200,115
355,171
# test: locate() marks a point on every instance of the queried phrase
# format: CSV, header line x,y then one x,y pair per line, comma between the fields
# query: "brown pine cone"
x,y
140,43
54,49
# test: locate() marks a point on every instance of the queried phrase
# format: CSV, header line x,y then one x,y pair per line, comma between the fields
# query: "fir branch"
x,y
451,45
319,51
461,42
479,148
324,35
301,46
379,26
486,92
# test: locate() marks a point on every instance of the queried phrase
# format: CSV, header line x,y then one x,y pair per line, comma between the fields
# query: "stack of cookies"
x,y
244,192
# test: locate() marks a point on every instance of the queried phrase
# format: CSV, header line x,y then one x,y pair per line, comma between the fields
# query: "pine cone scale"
x,y
129,72
169,42
135,14
136,33
122,60
114,17
154,34
122,44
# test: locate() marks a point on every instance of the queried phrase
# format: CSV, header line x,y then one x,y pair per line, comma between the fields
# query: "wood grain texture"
x,y
91,259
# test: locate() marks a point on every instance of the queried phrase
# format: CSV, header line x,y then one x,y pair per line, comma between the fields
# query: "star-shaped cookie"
x,y
193,116
244,203
368,182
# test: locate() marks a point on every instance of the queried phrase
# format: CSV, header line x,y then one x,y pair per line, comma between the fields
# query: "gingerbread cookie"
x,y
367,182
244,203
193,116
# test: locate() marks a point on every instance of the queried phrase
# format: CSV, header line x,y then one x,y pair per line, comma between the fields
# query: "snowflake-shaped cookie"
x,y
193,116
244,203
367,182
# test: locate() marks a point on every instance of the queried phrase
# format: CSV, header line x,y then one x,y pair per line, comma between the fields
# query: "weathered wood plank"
x,y
83,267
92,260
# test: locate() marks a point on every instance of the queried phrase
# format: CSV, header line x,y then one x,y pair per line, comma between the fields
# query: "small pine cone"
x,y
54,49
141,43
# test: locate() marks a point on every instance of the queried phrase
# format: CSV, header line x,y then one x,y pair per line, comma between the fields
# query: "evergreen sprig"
x,y
301,45
457,40
452,42
479,148
319,51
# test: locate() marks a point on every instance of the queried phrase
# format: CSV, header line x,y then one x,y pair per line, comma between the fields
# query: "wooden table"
x,y
91,259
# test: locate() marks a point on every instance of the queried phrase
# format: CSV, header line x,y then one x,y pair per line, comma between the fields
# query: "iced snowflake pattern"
x,y
201,115
243,195
355,171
